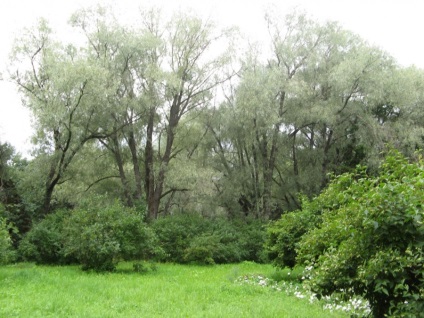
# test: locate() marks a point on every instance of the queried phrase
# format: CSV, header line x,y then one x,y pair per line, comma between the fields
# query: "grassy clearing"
x,y
27,290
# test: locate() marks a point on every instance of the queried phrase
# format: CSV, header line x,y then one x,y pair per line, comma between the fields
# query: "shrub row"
x,y
98,237
190,238
95,236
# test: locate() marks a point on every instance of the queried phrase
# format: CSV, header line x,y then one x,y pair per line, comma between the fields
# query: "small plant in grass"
x,y
287,274
143,267
139,267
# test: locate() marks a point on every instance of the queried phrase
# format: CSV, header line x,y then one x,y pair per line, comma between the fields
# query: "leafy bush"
x,y
224,241
7,253
202,249
284,234
176,232
220,243
44,243
371,242
100,237
251,240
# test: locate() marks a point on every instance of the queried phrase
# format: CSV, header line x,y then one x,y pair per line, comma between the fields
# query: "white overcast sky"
x,y
394,25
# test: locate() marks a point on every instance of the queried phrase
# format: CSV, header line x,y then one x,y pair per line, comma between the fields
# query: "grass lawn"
x,y
27,290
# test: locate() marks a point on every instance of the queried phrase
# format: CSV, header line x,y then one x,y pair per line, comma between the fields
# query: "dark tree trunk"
x,y
136,166
149,181
156,184
325,161
120,164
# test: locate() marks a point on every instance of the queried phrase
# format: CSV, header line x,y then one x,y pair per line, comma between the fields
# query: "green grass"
x,y
27,290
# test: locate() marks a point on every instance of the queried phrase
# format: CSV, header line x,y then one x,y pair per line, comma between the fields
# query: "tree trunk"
x,y
136,166
120,163
48,198
325,160
155,185
149,181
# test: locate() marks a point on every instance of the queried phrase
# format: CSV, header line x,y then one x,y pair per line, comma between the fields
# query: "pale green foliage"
x,y
163,70
67,93
139,99
315,107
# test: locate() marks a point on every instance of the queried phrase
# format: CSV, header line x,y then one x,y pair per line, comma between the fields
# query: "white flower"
x,y
299,294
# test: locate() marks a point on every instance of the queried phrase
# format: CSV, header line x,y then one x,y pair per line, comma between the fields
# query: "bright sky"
x,y
394,25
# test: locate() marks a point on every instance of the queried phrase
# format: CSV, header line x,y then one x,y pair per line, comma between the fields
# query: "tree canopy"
x,y
173,114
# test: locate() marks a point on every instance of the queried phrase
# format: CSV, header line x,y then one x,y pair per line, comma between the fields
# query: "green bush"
x,y
284,234
220,243
7,254
202,249
44,243
176,232
100,237
371,242
252,240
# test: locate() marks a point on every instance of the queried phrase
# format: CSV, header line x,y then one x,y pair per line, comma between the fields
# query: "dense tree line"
x,y
188,140
170,114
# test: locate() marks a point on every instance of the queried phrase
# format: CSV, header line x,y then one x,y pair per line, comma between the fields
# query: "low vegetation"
x,y
168,291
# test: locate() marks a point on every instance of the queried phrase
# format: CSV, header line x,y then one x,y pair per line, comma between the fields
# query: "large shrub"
x,y
284,234
219,243
371,242
176,233
252,239
99,237
45,241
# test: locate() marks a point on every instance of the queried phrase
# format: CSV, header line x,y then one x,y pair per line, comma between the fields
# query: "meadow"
x,y
169,290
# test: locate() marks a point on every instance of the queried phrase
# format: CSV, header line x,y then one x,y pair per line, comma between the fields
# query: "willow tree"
x,y
163,71
64,91
307,111
192,71
127,55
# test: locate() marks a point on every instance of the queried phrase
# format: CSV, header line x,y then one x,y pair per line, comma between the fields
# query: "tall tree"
x,y
66,94
304,113
193,73
164,72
